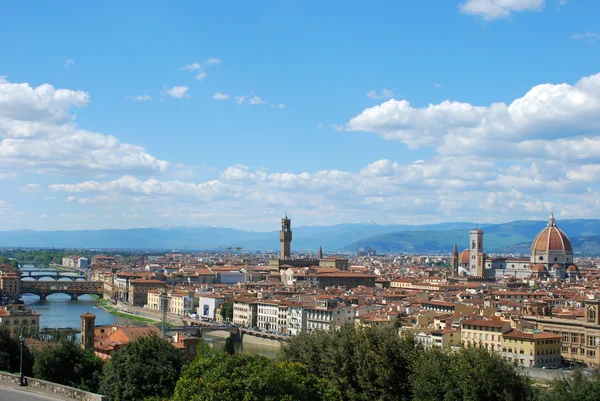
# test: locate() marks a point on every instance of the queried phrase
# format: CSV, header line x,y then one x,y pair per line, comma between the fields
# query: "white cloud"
x,y
43,216
437,85
38,134
192,67
201,75
140,98
591,37
281,106
256,100
496,9
8,176
177,92
383,94
31,188
240,99
69,61
543,115
221,96
213,61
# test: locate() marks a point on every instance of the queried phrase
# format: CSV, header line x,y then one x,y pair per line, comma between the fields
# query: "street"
x,y
15,393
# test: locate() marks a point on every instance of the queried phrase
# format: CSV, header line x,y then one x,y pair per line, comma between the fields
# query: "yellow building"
x,y
10,285
532,348
17,317
580,336
484,332
445,338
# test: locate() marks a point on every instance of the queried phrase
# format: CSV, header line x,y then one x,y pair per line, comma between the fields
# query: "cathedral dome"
x,y
551,238
464,256
572,269
538,268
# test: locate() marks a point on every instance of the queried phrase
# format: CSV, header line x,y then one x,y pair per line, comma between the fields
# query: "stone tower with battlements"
x,y
88,325
285,237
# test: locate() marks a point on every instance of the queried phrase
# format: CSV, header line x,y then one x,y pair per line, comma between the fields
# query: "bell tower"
x,y
285,237
455,261
88,325
476,262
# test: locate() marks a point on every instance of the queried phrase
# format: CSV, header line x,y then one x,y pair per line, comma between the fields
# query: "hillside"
x,y
514,237
305,237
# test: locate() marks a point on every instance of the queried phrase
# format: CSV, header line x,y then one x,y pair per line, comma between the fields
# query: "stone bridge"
x,y
72,288
53,274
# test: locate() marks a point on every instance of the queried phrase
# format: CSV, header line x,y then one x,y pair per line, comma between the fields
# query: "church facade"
x,y
551,258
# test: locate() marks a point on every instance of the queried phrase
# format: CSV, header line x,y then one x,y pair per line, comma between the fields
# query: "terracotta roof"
x,y
551,238
464,256
531,335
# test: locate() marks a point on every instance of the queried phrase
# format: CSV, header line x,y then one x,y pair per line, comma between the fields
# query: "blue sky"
x,y
138,114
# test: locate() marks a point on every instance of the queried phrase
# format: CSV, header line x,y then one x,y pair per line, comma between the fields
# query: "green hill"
x,y
514,237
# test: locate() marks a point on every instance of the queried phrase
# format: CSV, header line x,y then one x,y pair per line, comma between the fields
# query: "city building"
x,y
484,332
10,282
208,305
245,312
138,290
533,349
580,334
18,317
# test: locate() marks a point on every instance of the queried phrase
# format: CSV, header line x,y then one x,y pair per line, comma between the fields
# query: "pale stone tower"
x,y
476,262
455,261
88,325
285,237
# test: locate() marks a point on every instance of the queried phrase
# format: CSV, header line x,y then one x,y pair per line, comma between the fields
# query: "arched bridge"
x,y
72,288
54,274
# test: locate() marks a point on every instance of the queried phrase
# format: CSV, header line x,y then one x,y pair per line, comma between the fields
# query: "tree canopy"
x,y
10,354
363,364
227,311
146,367
469,374
577,387
66,363
250,378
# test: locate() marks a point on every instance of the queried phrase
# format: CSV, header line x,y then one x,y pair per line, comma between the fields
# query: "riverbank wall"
x,y
49,388
256,340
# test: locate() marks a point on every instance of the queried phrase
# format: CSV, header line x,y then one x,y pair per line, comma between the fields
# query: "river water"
x,y
58,310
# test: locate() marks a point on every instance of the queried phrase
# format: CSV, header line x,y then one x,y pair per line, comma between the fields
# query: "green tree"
x,y
228,348
576,387
470,374
10,349
363,364
227,311
250,377
146,367
66,363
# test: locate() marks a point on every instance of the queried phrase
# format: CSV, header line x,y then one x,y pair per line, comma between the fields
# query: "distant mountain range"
x,y
514,237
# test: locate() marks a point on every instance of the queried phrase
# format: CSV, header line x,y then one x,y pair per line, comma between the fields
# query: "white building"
x,y
267,316
208,304
244,312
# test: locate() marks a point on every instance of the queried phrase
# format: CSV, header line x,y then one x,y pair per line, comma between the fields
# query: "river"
x,y
58,310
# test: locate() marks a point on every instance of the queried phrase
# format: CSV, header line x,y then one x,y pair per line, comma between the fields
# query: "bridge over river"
x,y
72,288
38,274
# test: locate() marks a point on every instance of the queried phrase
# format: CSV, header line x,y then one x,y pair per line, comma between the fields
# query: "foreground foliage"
x,y
250,377
66,363
578,387
146,367
363,364
467,374
10,354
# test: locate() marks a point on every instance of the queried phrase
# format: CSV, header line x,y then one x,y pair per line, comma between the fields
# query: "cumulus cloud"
x,y
31,188
177,92
140,98
213,61
37,133
191,67
546,113
200,75
240,99
383,94
221,96
256,100
591,37
496,9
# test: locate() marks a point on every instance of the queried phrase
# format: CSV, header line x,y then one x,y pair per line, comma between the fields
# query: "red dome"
x,y
464,256
551,238
539,268
572,269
